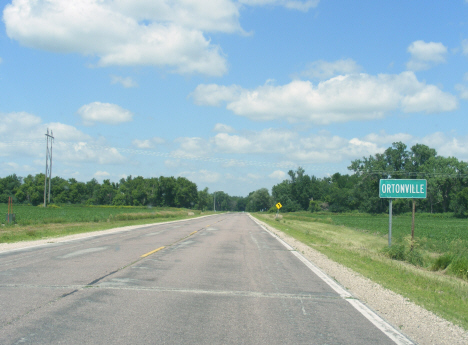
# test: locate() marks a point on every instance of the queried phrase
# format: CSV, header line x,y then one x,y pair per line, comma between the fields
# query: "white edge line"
x,y
370,315
99,233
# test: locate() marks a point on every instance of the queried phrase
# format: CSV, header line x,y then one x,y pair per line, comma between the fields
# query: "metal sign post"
x,y
278,206
390,223
402,189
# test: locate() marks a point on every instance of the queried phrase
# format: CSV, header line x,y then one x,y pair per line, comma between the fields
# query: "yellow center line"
x,y
194,232
151,252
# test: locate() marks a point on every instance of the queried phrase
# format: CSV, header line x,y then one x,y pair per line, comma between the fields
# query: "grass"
x,y
360,247
34,223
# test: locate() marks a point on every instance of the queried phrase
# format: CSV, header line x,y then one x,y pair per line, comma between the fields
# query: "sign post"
x,y
401,189
390,223
278,206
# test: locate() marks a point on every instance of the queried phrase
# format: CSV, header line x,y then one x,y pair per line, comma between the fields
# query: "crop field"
x,y
27,215
32,222
434,232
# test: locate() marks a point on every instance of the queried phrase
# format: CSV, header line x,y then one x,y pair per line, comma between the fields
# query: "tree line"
x,y
447,188
447,184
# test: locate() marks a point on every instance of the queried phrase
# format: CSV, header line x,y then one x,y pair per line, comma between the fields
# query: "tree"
x,y
186,193
259,200
203,200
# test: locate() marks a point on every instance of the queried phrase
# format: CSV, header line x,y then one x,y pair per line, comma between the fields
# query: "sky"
x,y
231,94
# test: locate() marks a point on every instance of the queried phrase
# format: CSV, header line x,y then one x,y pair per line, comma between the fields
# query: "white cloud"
x,y
324,70
465,46
202,176
425,55
192,147
101,174
148,143
107,113
447,146
291,4
215,95
384,139
71,146
278,175
168,34
463,91
339,99
127,32
125,82
219,127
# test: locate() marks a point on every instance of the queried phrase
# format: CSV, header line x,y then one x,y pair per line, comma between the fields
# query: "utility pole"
x,y
48,170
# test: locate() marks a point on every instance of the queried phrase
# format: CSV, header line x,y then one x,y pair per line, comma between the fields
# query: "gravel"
x,y
419,324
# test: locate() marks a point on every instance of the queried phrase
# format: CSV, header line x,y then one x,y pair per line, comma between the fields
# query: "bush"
x,y
396,252
459,267
415,257
442,262
315,206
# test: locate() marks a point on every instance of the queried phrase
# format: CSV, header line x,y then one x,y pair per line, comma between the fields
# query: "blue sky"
x,y
230,94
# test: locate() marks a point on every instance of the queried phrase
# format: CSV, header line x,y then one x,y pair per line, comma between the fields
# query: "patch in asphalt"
x,y
82,252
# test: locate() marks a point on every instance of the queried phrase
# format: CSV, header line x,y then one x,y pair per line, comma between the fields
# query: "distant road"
x,y
214,280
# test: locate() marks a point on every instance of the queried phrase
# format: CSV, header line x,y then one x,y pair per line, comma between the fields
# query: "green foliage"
x,y
361,250
396,252
442,262
459,267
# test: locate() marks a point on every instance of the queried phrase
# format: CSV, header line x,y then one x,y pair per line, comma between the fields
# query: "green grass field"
x,y
34,223
358,241
435,232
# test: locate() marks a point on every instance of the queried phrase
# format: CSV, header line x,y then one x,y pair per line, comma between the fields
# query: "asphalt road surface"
x,y
221,279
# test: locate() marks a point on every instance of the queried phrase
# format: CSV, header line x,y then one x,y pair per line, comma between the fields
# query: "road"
x,y
221,279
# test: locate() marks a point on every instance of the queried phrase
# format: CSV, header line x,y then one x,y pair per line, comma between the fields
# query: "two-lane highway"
x,y
215,280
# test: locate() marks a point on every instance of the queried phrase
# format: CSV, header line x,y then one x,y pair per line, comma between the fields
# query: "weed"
x,y
396,252
459,267
442,262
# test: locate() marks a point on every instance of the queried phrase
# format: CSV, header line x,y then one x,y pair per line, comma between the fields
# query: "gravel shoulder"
x,y
420,325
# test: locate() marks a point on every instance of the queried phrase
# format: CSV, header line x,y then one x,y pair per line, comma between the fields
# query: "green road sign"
x,y
398,189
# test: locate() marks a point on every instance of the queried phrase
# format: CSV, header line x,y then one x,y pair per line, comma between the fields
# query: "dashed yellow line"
x,y
194,232
152,252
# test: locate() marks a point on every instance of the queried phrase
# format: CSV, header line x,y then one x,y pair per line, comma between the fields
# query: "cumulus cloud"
x,y
278,175
324,69
215,95
148,143
101,174
425,55
107,113
202,176
71,146
25,125
125,82
291,4
168,34
219,127
127,32
192,147
465,46
448,146
463,90
340,99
